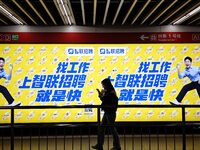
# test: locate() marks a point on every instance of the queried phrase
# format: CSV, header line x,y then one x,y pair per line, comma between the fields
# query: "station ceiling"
x,y
99,12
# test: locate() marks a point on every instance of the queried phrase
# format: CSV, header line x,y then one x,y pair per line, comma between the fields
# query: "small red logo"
x,y
5,37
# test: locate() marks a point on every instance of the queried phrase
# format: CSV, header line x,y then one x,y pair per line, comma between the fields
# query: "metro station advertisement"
x,y
69,74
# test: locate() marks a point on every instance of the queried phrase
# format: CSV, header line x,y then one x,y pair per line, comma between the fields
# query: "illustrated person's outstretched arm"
x,y
9,75
180,75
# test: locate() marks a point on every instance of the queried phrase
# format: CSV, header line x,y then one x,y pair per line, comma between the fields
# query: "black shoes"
x,y
115,148
97,147
101,148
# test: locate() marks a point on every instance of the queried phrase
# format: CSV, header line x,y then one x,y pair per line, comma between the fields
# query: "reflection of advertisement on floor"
x,y
68,74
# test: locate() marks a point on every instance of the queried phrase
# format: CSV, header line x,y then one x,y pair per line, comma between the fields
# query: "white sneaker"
x,y
175,102
15,104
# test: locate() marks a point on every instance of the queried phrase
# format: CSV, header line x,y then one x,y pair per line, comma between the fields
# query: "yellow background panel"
x,y
31,59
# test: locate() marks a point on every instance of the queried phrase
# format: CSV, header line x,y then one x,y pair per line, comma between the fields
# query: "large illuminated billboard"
x,y
68,74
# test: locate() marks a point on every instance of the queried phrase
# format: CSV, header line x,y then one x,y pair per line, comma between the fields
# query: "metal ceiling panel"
x,y
100,12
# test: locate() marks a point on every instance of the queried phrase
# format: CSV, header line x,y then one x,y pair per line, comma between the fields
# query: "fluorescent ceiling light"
x,y
193,12
64,10
10,15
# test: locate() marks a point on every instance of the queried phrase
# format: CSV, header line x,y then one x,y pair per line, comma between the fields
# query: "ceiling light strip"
x,y
83,11
163,11
147,3
194,20
152,11
72,14
185,12
36,12
16,17
69,14
59,11
24,12
106,11
3,21
128,13
176,10
6,13
94,12
186,17
48,12
65,13
118,10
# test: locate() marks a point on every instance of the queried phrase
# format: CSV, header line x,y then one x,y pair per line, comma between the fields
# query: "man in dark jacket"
x,y
108,98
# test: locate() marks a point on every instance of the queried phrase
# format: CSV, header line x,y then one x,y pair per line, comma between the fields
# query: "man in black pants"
x,y
193,73
3,90
108,98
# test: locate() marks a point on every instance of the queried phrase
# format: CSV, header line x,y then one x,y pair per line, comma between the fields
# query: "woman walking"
x,y
109,98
